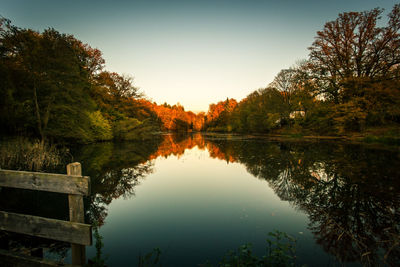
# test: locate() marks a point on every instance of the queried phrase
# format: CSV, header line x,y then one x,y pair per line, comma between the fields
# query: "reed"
x,y
29,155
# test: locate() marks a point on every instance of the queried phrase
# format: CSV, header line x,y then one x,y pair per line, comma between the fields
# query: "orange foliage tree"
x,y
218,115
175,118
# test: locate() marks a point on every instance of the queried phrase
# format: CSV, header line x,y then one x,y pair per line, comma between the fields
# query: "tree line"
x,y
349,83
55,87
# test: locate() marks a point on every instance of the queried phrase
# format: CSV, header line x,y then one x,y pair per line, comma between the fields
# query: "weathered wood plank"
x,y
9,259
71,232
76,214
60,183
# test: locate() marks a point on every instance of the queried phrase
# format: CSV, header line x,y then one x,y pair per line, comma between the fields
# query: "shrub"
x,y
122,129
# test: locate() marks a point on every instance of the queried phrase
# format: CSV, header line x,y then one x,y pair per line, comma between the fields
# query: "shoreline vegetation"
x,y
57,89
30,155
369,137
21,153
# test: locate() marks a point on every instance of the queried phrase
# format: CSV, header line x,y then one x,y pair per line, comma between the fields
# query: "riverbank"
x,y
385,136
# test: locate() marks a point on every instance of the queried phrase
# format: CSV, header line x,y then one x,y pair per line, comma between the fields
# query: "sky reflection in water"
x,y
199,198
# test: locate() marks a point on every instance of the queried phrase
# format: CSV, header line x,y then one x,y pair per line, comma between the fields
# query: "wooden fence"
x,y
73,231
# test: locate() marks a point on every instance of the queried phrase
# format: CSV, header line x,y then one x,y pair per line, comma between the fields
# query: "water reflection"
x,y
115,171
350,193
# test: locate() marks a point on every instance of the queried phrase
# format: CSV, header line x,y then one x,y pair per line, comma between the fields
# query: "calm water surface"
x,y
195,197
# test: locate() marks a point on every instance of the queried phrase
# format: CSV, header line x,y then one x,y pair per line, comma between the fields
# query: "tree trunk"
x,y
38,118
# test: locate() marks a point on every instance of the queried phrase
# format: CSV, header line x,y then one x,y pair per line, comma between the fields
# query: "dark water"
x,y
195,197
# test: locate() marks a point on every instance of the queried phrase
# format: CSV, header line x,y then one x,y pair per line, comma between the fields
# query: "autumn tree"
x,y
353,46
219,115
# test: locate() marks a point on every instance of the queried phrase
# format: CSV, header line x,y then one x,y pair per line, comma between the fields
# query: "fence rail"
x,y
59,183
73,231
8,258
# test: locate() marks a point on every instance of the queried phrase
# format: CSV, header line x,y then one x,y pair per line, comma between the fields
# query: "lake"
x,y
195,197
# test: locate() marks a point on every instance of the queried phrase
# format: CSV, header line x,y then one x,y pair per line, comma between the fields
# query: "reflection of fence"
x,y
73,231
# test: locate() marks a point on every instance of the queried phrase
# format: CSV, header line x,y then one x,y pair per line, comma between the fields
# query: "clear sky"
x,y
191,52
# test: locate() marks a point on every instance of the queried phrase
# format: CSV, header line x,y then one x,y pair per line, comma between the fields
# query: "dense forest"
x,y
54,87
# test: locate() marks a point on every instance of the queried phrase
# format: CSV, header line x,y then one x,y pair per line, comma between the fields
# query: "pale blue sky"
x,y
191,52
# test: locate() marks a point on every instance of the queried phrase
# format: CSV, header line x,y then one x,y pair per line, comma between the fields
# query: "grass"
x,y
387,140
99,260
386,136
29,155
296,135
280,251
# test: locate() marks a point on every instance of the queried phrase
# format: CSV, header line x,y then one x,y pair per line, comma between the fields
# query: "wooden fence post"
x,y
76,214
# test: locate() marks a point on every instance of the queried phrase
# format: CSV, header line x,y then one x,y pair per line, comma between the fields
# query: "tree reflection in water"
x,y
349,192
115,170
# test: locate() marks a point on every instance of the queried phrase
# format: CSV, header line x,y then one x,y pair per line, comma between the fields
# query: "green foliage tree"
x,y
261,111
49,84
